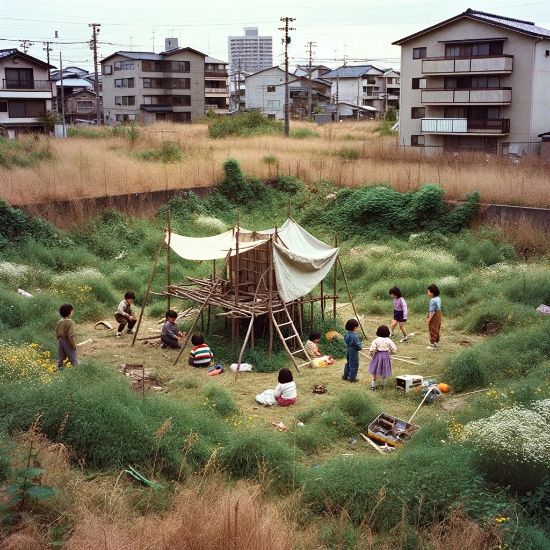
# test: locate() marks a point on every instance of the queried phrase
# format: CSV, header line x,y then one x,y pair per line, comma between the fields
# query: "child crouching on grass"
x,y
200,355
380,349
124,315
170,334
312,349
65,331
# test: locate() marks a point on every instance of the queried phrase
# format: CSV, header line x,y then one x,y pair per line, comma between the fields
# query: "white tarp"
x,y
300,260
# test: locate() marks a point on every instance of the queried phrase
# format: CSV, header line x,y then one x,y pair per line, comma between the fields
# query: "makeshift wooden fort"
x,y
264,287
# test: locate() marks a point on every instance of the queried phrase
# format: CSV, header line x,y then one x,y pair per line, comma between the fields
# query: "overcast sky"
x,y
360,30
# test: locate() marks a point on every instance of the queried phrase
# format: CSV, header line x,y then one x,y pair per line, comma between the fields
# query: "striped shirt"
x,y
201,355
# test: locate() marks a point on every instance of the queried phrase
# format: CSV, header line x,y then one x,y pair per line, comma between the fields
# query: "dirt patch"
x,y
490,328
141,377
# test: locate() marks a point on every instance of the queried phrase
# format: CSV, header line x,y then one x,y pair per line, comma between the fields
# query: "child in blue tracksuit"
x,y
352,355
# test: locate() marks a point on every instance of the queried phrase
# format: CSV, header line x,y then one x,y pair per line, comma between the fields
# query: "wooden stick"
x,y
334,281
270,292
189,333
372,443
397,358
351,297
149,338
322,301
248,332
150,282
88,341
169,259
421,403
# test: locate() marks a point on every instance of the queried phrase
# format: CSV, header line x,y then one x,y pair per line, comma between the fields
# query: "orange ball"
x,y
444,388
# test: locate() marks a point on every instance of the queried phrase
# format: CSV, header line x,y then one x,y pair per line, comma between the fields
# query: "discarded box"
x,y
391,430
407,382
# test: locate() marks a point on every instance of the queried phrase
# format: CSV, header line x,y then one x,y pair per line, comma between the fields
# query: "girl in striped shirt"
x,y
200,355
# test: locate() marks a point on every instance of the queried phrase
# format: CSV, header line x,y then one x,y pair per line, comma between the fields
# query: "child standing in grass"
x,y
65,330
434,317
352,354
170,334
380,349
285,393
400,313
200,355
124,315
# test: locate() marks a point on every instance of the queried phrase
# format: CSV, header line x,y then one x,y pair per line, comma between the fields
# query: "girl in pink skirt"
x,y
380,349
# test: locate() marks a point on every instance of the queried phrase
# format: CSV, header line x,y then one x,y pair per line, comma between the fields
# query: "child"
x,y
354,347
400,313
170,334
312,349
285,393
380,349
434,317
65,330
124,315
200,355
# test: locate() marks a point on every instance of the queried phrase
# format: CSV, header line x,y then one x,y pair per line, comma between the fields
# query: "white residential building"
x,y
250,53
25,93
476,81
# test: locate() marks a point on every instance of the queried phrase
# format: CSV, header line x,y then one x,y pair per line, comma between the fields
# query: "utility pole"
x,y
93,47
47,48
62,97
286,42
310,46
238,91
25,45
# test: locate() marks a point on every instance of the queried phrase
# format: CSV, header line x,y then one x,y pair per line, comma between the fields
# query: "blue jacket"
x,y
354,346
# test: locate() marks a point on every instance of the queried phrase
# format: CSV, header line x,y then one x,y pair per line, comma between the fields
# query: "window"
x,y
417,141
181,117
26,109
166,66
19,78
3,106
418,83
474,49
270,88
123,65
107,69
124,82
419,53
273,104
84,106
125,118
168,83
364,89
125,100
418,112
270,116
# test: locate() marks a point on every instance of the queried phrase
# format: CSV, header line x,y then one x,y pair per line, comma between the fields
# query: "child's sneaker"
x,y
130,331
404,339
163,346
119,334
433,347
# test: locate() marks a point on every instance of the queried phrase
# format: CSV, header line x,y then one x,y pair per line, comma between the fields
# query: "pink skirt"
x,y
282,402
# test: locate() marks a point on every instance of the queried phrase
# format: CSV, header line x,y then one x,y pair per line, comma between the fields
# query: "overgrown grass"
x,y
23,153
168,152
243,124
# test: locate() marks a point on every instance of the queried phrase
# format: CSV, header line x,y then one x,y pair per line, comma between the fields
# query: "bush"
x,y
360,407
482,252
220,401
258,455
24,152
239,189
290,184
348,154
311,438
246,124
303,133
168,152
25,362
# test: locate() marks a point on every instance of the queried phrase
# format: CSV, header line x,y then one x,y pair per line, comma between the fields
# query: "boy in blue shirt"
x,y
352,355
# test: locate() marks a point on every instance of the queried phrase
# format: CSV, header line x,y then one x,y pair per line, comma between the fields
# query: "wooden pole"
x,y
248,333
270,293
351,298
188,336
150,282
334,281
311,307
209,306
169,259
323,301
236,281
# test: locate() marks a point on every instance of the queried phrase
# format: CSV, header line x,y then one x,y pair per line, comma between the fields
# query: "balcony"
x,y
472,96
39,85
460,126
216,74
489,64
217,91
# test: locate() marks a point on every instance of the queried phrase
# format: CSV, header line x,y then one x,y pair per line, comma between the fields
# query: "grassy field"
x,y
228,478
99,162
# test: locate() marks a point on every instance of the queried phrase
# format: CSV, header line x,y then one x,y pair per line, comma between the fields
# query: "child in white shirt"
x,y
285,393
380,349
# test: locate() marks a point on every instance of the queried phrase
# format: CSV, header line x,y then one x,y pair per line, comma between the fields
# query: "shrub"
x,y
239,189
220,401
290,184
303,133
24,152
348,154
258,455
168,152
311,438
360,407
464,371
385,128
25,362
482,252
391,115
247,124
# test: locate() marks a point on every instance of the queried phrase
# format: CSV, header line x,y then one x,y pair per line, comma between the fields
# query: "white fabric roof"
x,y
300,260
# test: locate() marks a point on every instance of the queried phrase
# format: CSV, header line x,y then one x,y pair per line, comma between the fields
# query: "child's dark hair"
x,y
314,335
130,295
65,310
383,331
351,324
395,291
434,289
285,376
171,314
197,339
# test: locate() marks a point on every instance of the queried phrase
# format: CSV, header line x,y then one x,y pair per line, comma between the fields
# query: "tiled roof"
x,y
7,53
215,61
351,71
147,56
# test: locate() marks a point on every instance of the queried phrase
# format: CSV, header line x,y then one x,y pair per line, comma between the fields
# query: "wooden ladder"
x,y
294,335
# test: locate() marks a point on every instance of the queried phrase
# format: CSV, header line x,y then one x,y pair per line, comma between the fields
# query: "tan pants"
x,y
434,326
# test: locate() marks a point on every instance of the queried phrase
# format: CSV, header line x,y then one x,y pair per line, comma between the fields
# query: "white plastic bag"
x,y
245,367
266,398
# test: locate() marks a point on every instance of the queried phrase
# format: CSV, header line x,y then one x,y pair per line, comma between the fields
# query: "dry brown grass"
x,y
97,167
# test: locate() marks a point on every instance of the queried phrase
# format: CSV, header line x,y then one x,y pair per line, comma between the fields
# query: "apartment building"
x,y
365,86
216,86
476,81
149,87
25,93
265,90
250,53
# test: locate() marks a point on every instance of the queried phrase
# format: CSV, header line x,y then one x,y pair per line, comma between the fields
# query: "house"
x,y
149,87
476,81
265,90
216,86
25,94
365,85
81,107
347,111
317,71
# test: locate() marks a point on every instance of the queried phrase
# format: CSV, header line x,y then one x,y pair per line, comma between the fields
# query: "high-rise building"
x,y
250,53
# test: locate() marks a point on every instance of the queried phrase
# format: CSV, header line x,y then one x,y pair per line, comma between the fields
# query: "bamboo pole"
x,y
209,306
323,301
188,336
169,260
149,283
351,298
248,333
270,292
334,281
